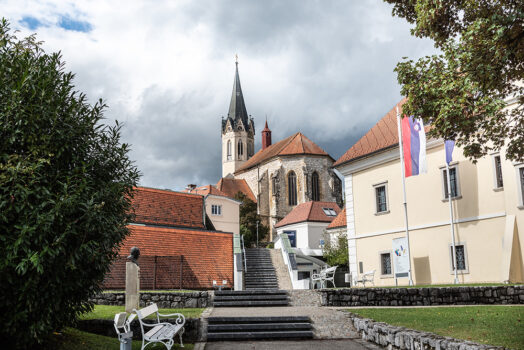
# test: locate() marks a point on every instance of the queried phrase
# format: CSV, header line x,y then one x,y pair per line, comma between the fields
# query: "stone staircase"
x,y
241,298
251,328
260,272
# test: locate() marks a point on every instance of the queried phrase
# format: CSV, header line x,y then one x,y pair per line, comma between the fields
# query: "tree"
x,y
463,91
336,252
248,221
66,184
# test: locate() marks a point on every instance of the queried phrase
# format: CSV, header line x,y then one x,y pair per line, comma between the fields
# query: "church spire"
x,y
237,107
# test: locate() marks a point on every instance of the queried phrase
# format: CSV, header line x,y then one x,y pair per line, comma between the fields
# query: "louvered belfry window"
x,y
292,188
315,190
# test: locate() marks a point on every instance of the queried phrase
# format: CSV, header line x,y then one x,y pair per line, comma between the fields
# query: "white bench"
x,y
368,276
325,275
160,332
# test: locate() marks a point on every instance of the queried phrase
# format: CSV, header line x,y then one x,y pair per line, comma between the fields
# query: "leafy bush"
x,y
65,188
248,221
336,253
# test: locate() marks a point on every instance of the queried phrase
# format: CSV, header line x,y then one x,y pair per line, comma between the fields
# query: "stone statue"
x,y
134,255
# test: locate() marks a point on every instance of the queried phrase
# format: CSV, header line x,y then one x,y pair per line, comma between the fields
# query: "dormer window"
x,y
329,212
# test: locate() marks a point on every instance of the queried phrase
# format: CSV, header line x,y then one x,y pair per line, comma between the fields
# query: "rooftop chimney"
x,y
266,137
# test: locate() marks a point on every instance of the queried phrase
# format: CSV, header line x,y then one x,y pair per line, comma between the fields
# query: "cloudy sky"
x,y
166,70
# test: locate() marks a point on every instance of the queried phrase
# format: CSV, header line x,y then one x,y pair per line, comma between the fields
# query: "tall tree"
x,y
65,187
464,91
248,221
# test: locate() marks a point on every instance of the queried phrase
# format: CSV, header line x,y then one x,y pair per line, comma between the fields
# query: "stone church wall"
x,y
274,206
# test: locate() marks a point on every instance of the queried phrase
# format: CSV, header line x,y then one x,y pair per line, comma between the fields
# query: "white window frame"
x,y
385,184
380,263
494,166
216,209
442,169
520,198
466,260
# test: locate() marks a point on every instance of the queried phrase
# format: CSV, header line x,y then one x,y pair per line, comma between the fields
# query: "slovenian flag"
x,y
414,146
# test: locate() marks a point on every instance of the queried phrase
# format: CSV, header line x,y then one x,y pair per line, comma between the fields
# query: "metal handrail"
x,y
243,252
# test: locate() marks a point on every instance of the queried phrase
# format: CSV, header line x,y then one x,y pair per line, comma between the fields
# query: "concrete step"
x,y
251,297
251,292
238,303
302,326
258,319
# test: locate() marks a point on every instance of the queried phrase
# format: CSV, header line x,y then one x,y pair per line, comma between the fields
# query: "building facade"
x,y
488,212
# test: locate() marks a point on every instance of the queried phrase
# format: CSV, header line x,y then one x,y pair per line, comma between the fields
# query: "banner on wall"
x,y
401,257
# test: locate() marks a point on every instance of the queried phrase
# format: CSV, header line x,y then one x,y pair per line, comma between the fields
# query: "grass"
x,y
455,285
72,338
493,325
107,312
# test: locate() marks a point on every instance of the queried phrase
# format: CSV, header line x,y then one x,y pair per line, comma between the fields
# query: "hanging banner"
x,y
401,257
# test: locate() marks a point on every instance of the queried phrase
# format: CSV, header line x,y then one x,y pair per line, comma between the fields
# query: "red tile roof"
x,y
208,255
339,221
163,207
208,189
231,187
293,145
309,211
382,135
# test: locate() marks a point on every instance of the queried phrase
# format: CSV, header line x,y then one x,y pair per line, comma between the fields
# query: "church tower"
x,y
238,132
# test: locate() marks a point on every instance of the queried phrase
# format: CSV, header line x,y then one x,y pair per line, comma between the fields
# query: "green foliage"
x,y
65,188
336,253
248,221
462,91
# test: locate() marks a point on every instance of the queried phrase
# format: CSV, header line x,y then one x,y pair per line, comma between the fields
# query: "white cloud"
x,y
166,70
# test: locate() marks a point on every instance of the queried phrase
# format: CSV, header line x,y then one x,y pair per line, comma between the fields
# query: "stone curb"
x,y
394,337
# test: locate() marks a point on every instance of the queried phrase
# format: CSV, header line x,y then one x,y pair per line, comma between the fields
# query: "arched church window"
x,y
229,150
250,149
240,150
292,188
315,189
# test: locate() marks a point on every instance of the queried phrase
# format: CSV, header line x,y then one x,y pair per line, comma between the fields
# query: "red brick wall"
x,y
207,256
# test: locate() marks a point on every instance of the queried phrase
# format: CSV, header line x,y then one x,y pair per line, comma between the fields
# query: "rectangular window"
x,y
292,235
497,164
521,177
385,264
453,178
381,198
216,209
460,252
361,266
329,212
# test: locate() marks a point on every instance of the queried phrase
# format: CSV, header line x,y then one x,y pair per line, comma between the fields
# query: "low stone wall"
x,y
162,299
392,337
423,296
106,328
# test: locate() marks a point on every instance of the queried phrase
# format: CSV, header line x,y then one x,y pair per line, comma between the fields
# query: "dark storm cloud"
x,y
337,61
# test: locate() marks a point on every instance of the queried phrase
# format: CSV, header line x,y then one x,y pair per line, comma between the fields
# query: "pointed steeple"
x,y
266,137
237,107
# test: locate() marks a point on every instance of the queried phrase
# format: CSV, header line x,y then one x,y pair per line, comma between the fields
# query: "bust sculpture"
x,y
134,255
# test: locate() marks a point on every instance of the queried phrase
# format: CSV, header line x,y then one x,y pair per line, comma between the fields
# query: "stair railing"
x,y
244,253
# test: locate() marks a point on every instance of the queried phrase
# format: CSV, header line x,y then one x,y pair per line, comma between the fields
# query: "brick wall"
x,y
203,256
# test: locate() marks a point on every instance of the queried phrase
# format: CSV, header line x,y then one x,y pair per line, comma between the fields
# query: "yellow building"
x,y
488,212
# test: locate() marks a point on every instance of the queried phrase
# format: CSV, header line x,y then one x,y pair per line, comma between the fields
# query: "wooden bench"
x,y
160,332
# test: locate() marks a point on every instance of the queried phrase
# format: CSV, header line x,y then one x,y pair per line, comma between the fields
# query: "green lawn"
x,y
494,325
72,338
455,285
107,312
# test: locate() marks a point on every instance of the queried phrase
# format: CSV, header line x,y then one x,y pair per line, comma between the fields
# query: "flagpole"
x,y
401,149
454,253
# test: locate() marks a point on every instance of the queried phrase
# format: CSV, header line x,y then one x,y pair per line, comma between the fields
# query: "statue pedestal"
x,y
132,286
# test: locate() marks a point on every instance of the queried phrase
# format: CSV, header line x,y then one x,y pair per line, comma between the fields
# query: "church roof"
x,y
231,187
208,189
339,220
382,135
296,144
310,211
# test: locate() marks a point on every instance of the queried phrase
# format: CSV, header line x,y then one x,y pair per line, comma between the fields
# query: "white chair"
x,y
368,276
325,275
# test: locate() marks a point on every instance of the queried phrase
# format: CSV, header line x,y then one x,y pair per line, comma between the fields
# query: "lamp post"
x,y
257,233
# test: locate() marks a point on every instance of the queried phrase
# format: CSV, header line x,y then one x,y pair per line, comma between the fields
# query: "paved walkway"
x,y
348,344
328,323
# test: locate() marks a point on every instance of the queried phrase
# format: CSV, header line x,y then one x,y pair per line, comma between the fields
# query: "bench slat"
x,y
148,310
